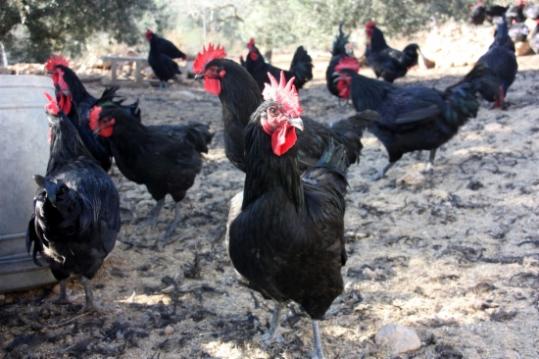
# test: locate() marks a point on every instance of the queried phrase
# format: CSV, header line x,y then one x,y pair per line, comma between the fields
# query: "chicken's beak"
x,y
199,77
98,130
296,122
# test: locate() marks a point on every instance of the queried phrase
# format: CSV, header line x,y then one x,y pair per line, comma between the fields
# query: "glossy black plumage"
x,y
76,210
163,66
301,67
240,97
386,62
166,47
414,118
164,158
288,239
161,55
82,102
501,64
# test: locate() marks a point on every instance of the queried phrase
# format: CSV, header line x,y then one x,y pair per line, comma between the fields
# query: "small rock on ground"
x,y
398,338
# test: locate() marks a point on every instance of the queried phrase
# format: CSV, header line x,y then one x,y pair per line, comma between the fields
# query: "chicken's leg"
x,y
62,298
432,156
269,336
171,227
384,171
90,305
154,213
318,351
255,301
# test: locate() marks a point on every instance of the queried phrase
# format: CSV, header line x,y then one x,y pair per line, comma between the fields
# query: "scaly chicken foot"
x,y
430,164
269,337
62,298
90,304
160,242
318,351
382,174
154,213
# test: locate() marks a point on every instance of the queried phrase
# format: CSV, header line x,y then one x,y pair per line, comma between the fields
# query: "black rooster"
x,y
288,242
76,211
412,118
386,62
240,97
75,102
164,158
161,55
301,67
501,64
339,53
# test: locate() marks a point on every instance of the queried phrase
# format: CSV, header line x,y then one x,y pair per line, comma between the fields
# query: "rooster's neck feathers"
x,y
77,89
266,172
66,145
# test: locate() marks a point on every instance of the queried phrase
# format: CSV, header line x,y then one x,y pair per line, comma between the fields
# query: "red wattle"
x,y
344,90
106,132
213,86
283,139
65,104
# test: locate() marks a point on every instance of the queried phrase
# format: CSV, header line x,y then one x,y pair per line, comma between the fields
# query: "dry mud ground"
x,y
454,255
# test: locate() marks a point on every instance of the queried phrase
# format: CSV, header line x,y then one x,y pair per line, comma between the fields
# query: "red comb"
x,y
95,112
206,55
149,34
54,61
283,93
348,63
370,24
52,106
251,43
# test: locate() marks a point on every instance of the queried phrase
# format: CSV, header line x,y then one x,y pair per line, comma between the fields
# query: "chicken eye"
x,y
273,111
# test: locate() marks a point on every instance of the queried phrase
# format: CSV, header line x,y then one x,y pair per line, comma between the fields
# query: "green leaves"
x,y
34,29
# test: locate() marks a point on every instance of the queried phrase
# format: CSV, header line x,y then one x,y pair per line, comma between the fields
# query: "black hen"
x,y
165,159
164,46
301,67
161,55
338,54
501,67
75,102
76,210
288,242
386,62
413,118
240,96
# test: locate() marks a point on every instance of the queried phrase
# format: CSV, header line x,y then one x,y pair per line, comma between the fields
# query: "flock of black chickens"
x,y
286,228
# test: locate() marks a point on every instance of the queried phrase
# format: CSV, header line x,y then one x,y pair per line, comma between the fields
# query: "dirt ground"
x,y
455,255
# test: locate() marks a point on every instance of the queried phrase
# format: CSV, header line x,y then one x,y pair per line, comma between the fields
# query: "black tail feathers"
x,y
301,67
334,158
200,136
